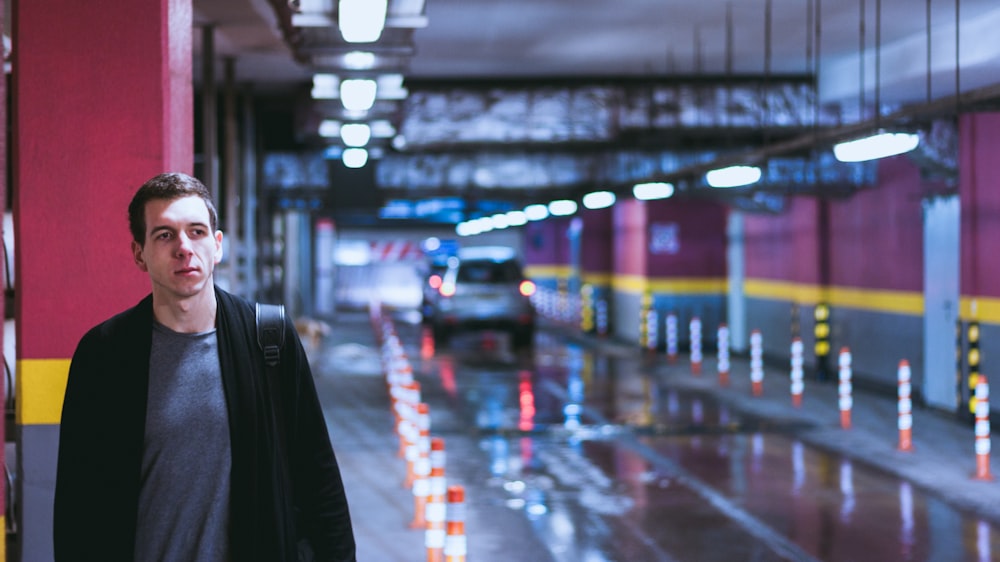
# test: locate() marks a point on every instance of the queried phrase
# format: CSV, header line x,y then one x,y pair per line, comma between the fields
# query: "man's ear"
x,y
140,262
218,246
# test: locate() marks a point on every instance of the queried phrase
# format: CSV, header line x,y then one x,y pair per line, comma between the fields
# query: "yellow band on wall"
x,y
876,300
41,385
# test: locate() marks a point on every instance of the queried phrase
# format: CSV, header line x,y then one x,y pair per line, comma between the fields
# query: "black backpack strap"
x,y
271,331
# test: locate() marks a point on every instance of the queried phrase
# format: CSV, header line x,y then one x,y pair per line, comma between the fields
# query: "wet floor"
x,y
609,463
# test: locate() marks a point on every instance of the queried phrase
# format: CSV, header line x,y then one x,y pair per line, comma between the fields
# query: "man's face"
x,y
180,250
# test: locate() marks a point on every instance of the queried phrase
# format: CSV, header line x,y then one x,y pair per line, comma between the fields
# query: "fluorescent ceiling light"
x,y
536,212
390,87
598,200
325,87
652,190
733,176
361,21
500,221
517,218
355,134
484,224
358,94
465,229
355,157
877,146
382,129
329,128
562,207
359,60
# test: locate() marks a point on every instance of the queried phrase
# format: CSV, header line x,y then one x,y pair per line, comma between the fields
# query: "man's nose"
x,y
184,244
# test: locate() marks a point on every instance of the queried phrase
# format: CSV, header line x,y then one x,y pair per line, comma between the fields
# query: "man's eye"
x,y
163,236
198,232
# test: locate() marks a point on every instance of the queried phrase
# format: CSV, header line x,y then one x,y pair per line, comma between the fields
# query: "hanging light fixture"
x,y
733,176
536,212
359,60
355,157
325,86
652,190
361,21
562,207
516,218
599,200
881,145
358,94
355,134
329,128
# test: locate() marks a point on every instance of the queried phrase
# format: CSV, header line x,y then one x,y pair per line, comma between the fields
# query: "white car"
x,y
484,288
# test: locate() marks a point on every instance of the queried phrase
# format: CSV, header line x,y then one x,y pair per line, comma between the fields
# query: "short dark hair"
x,y
167,186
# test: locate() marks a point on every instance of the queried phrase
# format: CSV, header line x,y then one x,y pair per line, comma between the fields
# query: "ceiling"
x,y
557,61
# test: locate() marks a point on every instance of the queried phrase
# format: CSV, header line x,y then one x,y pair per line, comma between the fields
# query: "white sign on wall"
x,y
664,238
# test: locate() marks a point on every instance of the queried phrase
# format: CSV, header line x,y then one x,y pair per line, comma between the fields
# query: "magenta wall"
x,y
595,242
876,236
701,228
629,232
784,247
979,189
545,242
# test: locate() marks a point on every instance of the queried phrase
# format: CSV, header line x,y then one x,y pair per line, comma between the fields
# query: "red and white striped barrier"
x,y
651,335
983,429
795,376
845,389
722,364
756,363
455,543
695,330
434,536
671,328
905,408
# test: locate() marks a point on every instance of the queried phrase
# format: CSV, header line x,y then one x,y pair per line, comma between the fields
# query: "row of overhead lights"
x,y
359,21
881,145
560,208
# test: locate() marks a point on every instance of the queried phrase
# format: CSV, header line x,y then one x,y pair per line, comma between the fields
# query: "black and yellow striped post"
x,y
974,358
821,332
587,308
645,304
958,367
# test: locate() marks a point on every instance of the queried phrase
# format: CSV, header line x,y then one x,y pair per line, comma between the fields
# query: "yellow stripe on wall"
x,y
897,302
546,271
987,309
41,385
638,284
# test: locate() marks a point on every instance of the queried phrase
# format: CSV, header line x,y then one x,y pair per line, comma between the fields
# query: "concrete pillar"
x,y
102,101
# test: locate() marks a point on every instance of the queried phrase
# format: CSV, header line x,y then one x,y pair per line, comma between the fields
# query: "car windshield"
x,y
489,272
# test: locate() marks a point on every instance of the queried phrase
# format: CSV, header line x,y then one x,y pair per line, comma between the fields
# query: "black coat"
x,y
285,486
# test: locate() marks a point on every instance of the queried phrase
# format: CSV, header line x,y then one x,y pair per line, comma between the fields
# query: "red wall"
x,y
102,102
545,242
595,243
701,228
979,189
629,231
784,247
876,236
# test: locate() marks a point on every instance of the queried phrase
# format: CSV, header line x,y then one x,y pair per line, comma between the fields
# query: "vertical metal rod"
x,y
209,145
878,63
929,67
729,62
861,63
809,34
816,64
230,163
958,64
767,69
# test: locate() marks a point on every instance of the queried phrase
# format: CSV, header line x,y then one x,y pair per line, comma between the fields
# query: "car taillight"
x,y
447,289
434,281
527,288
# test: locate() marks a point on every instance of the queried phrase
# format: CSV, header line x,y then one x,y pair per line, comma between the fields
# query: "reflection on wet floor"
x,y
609,463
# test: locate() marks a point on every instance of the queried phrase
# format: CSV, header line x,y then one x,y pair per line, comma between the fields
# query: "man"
x,y
174,444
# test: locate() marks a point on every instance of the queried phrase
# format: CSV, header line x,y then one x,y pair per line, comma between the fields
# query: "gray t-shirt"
x,y
184,491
